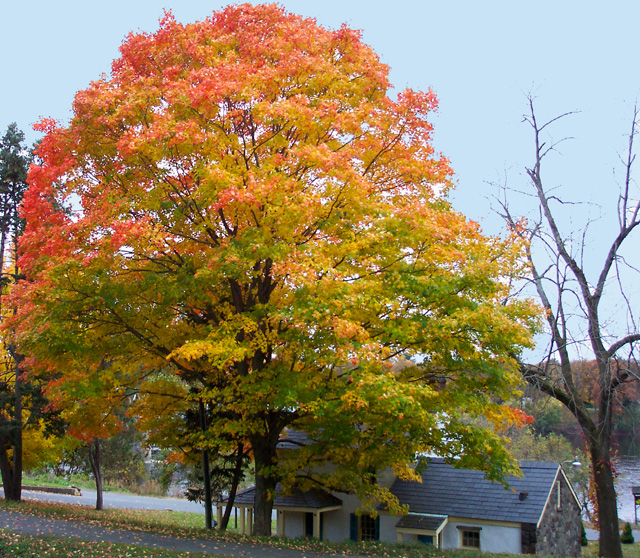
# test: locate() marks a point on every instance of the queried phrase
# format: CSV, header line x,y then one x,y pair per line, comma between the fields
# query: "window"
x,y
364,528
559,502
367,528
470,538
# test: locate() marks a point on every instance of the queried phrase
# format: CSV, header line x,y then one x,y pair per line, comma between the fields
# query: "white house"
x,y
450,508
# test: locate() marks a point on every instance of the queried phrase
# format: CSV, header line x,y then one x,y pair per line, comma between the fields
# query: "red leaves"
x,y
521,418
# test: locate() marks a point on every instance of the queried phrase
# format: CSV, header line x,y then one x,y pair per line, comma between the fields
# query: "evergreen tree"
x,y
14,391
627,535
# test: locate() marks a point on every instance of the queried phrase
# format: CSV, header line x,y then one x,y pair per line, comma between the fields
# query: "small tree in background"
x,y
92,402
584,541
627,535
172,414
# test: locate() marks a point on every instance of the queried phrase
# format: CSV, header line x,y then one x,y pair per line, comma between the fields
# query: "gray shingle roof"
x,y
313,499
425,522
446,490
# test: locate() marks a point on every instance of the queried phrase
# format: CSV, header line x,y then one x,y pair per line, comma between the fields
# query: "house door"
x,y
308,525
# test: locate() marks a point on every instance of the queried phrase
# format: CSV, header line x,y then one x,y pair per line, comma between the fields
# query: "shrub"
x,y
627,535
584,541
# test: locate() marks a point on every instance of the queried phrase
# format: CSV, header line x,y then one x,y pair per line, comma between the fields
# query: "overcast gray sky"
x,y
481,58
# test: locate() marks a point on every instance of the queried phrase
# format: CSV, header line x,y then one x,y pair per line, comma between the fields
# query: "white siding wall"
x,y
388,531
336,523
493,538
293,524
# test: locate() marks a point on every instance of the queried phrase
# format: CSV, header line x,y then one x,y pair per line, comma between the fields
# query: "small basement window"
x,y
469,537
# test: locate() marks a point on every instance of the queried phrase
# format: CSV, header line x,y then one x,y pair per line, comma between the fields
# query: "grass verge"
x,y
27,546
148,488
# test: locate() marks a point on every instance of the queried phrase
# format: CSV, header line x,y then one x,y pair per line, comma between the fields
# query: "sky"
x,y
483,59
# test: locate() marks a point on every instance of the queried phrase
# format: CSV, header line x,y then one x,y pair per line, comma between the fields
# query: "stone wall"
x,y
560,530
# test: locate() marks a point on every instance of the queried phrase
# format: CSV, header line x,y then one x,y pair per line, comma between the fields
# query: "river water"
x,y
628,471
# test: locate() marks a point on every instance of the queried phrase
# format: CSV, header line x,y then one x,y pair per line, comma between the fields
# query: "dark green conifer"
x,y
627,534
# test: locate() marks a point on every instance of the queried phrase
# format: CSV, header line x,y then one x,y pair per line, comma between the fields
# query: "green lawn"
x,y
628,550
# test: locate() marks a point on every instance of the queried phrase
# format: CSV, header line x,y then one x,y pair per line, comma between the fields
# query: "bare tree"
x,y
575,315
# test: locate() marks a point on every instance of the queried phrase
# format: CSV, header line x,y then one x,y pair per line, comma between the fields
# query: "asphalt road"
x,y
42,526
116,500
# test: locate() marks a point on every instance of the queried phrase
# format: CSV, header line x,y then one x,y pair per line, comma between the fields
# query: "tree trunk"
x,y
265,457
235,481
17,437
610,546
208,501
5,468
11,468
609,542
263,504
96,467
7,471
206,473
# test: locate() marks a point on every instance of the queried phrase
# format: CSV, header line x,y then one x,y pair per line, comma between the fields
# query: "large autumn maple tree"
x,y
242,199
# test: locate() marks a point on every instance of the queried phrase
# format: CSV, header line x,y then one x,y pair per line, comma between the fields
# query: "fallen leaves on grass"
x,y
26,546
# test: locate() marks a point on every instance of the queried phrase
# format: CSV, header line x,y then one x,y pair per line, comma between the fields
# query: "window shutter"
x,y
353,527
378,527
